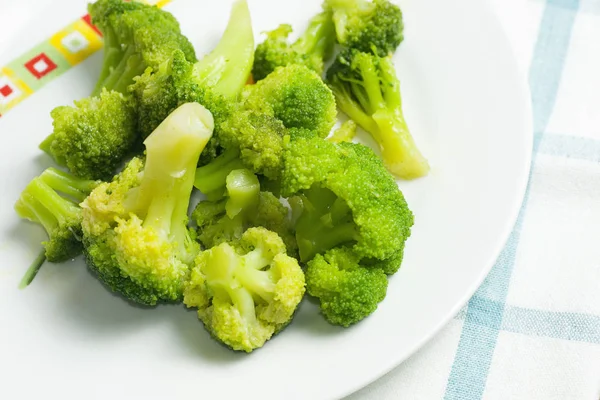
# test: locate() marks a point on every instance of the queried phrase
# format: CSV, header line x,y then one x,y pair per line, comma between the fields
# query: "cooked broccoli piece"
x,y
215,81
237,205
245,291
368,91
369,26
348,292
211,178
136,36
135,228
344,196
297,97
345,133
310,49
93,138
51,200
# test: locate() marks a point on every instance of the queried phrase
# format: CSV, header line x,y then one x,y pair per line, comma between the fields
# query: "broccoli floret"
x,y
93,138
310,49
368,91
135,228
297,97
344,196
215,81
51,200
136,36
348,292
345,133
370,26
238,204
246,291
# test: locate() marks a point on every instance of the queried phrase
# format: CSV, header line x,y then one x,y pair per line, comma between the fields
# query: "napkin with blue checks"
x,y
532,330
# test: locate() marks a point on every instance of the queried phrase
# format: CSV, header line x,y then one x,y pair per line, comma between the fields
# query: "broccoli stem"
x,y
321,238
112,57
227,67
66,183
121,76
212,177
256,281
172,153
48,207
242,189
33,269
317,38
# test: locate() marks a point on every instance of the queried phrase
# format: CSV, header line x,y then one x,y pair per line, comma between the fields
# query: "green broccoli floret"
x,y
297,97
135,228
51,200
246,291
369,26
368,91
93,138
237,204
345,133
348,292
136,36
310,49
344,196
215,81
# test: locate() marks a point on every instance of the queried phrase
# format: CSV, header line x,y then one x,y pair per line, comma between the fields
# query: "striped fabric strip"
x,y
51,58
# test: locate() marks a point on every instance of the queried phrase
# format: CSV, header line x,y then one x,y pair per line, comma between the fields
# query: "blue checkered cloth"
x,y
532,330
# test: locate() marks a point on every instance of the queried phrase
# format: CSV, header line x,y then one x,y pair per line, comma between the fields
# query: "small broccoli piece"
x,y
297,97
344,196
347,291
246,291
136,36
51,200
368,91
260,139
310,49
345,133
135,228
93,138
367,25
215,81
211,178
241,205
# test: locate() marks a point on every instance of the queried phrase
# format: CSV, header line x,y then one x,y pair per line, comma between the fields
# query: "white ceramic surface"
x,y
467,106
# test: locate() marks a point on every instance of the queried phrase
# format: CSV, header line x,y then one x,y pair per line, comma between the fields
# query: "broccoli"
x,y
345,133
297,97
93,138
245,291
369,26
343,196
51,200
348,292
135,228
368,91
311,49
136,36
237,203
215,81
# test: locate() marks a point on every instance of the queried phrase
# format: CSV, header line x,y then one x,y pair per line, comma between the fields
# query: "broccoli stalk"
x,y
368,91
324,222
246,291
211,178
135,227
41,202
227,67
310,49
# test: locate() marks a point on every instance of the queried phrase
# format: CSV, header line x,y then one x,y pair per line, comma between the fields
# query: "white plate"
x,y
468,108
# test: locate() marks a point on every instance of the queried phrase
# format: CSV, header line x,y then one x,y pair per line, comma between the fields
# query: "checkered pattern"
x,y
532,330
